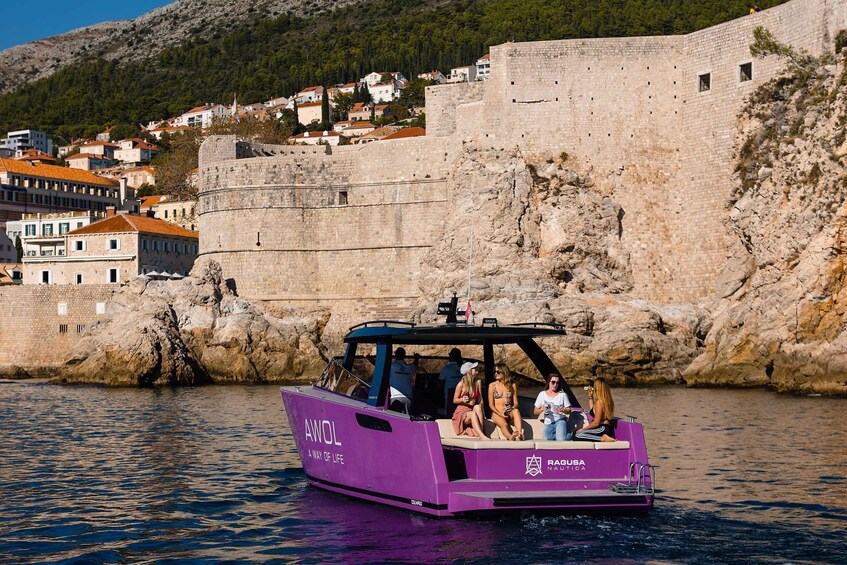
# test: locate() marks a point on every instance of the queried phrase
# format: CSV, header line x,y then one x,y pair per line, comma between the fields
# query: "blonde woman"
x,y
601,403
503,401
468,417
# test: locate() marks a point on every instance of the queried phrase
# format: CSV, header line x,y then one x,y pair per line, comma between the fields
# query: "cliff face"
x,y
541,242
780,320
193,331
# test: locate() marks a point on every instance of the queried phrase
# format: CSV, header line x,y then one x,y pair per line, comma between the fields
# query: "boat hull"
x,y
373,454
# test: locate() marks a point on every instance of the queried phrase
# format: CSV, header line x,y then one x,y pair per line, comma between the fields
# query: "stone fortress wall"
x,y
308,227
329,226
42,323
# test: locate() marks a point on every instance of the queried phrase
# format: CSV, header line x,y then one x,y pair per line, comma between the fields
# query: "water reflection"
x,y
211,473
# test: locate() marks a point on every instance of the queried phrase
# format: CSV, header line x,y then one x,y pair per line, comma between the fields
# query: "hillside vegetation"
x,y
269,57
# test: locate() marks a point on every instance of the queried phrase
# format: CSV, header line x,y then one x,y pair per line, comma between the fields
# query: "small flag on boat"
x,y
469,314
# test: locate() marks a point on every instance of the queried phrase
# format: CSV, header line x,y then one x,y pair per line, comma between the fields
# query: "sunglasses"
x,y
554,382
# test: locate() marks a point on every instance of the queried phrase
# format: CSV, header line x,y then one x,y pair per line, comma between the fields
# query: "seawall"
x,y
42,323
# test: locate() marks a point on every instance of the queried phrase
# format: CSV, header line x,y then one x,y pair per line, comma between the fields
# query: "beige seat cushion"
x,y
611,445
445,427
547,444
477,443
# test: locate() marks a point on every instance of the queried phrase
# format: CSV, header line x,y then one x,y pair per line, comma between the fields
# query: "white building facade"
x,y
27,139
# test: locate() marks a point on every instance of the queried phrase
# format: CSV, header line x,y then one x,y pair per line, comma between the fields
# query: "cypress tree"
x,y
325,107
19,248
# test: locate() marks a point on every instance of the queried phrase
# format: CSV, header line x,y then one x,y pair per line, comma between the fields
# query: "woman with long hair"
x,y
503,401
603,406
468,417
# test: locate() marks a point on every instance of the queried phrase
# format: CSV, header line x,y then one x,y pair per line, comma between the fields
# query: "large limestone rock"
x,y
540,244
193,331
781,318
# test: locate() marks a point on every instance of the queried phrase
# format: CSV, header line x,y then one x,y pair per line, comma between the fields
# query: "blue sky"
x,y
22,22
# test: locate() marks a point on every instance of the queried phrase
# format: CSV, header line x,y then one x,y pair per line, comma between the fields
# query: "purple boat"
x,y
350,442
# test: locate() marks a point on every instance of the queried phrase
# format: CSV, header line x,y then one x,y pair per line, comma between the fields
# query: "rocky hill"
x,y
781,319
145,36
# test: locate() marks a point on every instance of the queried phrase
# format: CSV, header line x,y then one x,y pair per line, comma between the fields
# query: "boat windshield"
x,y
336,378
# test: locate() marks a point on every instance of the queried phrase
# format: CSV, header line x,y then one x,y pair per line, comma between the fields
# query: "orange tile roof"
x,y
141,144
379,133
87,156
309,104
197,109
358,107
35,155
148,201
486,56
5,273
145,168
361,124
406,132
128,223
309,88
52,172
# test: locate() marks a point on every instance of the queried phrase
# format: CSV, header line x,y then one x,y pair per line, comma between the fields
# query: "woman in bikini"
x,y
468,417
502,399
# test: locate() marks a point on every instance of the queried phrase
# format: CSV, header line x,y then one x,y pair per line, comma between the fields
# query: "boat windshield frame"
x,y
387,334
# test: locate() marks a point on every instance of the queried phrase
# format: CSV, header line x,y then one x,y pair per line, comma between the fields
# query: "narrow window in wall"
x,y
113,275
114,244
62,309
45,277
78,278
705,82
342,198
745,72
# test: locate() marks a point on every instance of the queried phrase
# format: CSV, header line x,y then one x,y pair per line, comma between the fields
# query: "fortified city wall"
x,y
298,226
311,227
42,323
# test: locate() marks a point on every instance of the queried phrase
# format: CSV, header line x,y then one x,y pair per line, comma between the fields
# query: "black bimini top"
x,y
385,334
449,334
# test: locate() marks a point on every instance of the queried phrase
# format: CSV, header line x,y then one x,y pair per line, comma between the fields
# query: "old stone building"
x,y
115,250
32,188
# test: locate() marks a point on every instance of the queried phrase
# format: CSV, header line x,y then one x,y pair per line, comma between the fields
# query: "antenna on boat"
x,y
468,309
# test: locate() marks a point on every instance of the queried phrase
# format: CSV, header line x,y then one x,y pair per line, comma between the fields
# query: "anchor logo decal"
x,y
533,465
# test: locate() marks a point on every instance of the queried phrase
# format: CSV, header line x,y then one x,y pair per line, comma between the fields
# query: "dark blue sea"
x,y
93,475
